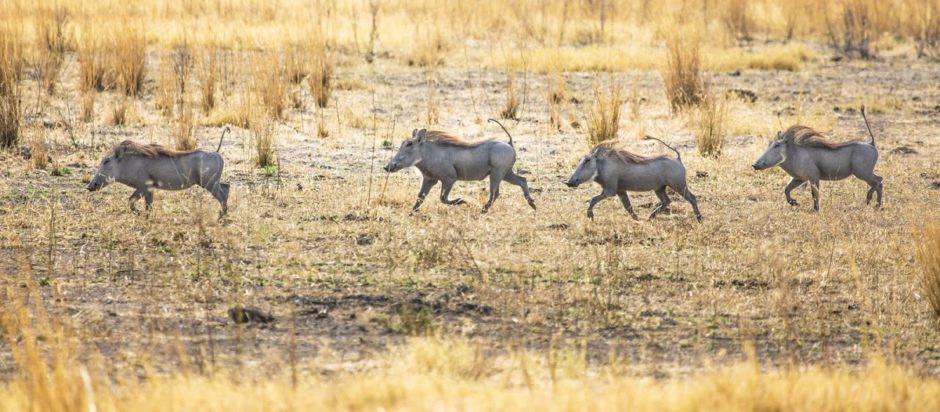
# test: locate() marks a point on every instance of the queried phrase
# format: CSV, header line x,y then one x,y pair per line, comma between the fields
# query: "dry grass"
x,y
11,72
129,58
269,83
92,60
320,78
262,131
682,76
88,106
557,99
511,105
432,114
184,133
53,36
927,247
710,124
603,116
208,73
38,149
182,64
119,113
165,93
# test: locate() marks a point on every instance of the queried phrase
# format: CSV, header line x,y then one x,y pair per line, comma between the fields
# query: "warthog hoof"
x,y
590,214
457,202
792,202
532,204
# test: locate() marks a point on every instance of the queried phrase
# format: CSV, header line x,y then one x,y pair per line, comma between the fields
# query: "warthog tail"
x,y
227,129
648,137
868,127
504,129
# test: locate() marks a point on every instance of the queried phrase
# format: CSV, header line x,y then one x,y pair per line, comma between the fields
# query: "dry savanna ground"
x,y
763,305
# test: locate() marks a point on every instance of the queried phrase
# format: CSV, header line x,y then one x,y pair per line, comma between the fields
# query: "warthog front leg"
x,y
604,195
220,193
876,187
446,185
795,183
426,186
521,182
625,199
148,199
132,201
664,202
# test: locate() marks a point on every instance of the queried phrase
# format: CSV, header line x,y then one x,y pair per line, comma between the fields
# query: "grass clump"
x,y
603,116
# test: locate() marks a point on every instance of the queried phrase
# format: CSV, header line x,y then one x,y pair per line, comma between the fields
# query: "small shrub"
x,y
682,77
851,31
603,117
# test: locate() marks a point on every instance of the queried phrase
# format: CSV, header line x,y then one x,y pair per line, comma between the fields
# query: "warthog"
x,y
619,171
805,154
151,166
446,158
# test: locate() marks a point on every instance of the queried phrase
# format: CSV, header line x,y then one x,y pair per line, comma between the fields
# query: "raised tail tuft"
x,y
227,129
504,129
648,137
868,127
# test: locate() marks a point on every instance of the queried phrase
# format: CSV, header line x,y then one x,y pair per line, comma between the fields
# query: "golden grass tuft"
x,y
262,130
510,108
92,60
710,124
38,149
184,132
320,77
269,82
118,115
11,74
682,76
603,116
557,98
129,58
927,248
165,94
88,106
207,71
52,36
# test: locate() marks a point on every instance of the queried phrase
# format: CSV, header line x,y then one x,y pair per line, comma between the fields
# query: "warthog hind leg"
x,y
220,193
132,201
495,179
874,182
520,181
689,197
795,183
625,199
814,187
663,202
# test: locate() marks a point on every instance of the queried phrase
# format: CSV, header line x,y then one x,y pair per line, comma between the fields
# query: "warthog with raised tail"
x,y
619,171
151,166
807,156
442,157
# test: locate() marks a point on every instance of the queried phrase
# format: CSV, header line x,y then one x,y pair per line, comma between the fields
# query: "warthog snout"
x,y
755,166
571,184
389,167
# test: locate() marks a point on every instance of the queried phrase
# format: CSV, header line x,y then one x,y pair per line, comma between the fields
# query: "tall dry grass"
x,y
184,132
207,71
270,84
52,36
92,60
165,93
39,149
709,124
603,115
129,58
557,98
682,75
510,108
320,72
927,248
262,130
11,74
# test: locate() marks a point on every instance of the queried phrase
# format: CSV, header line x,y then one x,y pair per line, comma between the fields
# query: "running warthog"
x,y
618,171
446,158
151,166
805,154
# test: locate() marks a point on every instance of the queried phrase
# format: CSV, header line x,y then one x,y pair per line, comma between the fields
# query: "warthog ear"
x,y
779,135
422,134
414,133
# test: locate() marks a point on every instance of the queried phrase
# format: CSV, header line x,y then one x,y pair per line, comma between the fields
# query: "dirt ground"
x,y
327,245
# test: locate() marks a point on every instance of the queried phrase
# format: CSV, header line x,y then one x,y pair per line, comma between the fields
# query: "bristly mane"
x,y
448,139
612,149
806,136
130,148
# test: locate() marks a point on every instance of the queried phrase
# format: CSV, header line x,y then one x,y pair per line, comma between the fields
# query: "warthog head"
x,y
106,171
776,154
409,153
586,170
